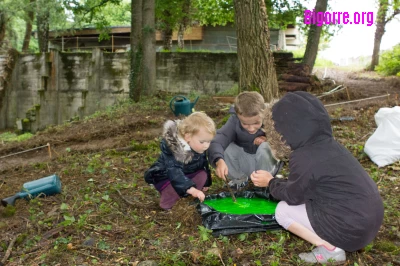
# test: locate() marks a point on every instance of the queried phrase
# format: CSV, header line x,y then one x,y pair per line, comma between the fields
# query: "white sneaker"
x,y
323,255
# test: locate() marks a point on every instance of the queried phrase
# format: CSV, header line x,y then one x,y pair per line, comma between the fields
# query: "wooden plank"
x,y
194,34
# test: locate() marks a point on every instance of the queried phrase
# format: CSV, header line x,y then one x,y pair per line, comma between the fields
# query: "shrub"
x,y
389,63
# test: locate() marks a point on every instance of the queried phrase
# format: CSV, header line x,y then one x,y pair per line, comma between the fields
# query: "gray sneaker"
x,y
322,255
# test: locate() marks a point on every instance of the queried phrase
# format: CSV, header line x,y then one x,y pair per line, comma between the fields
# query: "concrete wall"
x,y
207,73
55,87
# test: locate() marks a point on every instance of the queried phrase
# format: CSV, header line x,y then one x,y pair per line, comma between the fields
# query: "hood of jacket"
x,y
301,119
174,145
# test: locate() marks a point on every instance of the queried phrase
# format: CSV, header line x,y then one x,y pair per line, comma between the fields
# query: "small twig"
x,y
127,201
369,133
130,202
88,255
55,151
230,189
380,179
365,99
220,257
348,94
8,252
77,247
49,149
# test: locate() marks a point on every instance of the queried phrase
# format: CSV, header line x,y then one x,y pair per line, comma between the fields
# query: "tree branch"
x,y
396,12
8,252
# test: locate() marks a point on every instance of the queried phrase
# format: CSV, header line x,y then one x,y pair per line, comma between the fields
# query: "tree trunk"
x,y
314,34
256,63
43,31
149,48
181,40
28,30
167,37
3,27
183,24
136,56
380,30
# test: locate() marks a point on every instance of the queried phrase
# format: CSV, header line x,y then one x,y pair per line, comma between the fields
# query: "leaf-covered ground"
x,y
107,215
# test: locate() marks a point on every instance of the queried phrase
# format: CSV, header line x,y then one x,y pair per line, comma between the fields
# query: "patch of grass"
x,y
8,211
386,246
233,91
12,137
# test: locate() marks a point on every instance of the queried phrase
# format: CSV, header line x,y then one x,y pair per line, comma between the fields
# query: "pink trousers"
x,y
169,197
286,214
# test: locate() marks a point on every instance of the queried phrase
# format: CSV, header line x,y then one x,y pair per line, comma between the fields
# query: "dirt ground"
x,y
110,216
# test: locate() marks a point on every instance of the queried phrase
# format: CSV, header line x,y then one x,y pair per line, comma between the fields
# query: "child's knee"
x,y
264,150
282,215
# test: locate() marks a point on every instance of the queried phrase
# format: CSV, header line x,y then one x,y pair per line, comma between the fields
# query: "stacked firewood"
x,y
295,76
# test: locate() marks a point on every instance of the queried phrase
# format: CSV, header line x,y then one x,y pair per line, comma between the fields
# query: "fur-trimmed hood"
x,y
176,146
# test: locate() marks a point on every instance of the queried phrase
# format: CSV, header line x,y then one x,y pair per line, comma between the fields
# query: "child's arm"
x,y
221,169
225,135
196,193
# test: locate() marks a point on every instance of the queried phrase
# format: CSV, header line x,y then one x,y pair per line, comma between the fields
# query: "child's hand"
x,y
222,169
205,189
196,193
259,140
261,178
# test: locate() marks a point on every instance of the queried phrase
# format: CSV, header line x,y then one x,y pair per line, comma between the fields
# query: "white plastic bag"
x,y
383,147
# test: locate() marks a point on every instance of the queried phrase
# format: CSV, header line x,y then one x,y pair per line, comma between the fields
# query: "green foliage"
x,y
101,14
389,63
283,12
169,14
12,137
233,91
220,12
8,211
204,233
322,62
213,12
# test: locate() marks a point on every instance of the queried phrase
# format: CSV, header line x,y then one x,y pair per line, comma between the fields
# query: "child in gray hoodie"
x,y
240,146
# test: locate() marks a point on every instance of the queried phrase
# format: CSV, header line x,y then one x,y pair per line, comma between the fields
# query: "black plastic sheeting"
x,y
229,224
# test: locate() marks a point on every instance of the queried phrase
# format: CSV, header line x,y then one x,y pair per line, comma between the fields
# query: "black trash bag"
x,y
229,224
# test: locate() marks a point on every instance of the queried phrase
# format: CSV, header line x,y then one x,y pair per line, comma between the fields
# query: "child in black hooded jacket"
x,y
328,199
182,168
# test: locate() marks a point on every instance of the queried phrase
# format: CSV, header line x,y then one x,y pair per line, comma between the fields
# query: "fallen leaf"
x,y
195,256
236,253
215,251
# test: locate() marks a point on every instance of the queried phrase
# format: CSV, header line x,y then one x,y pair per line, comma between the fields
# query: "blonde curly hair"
x,y
194,122
280,149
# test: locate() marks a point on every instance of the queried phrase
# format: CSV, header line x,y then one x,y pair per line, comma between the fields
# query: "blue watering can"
x,y
182,106
45,186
